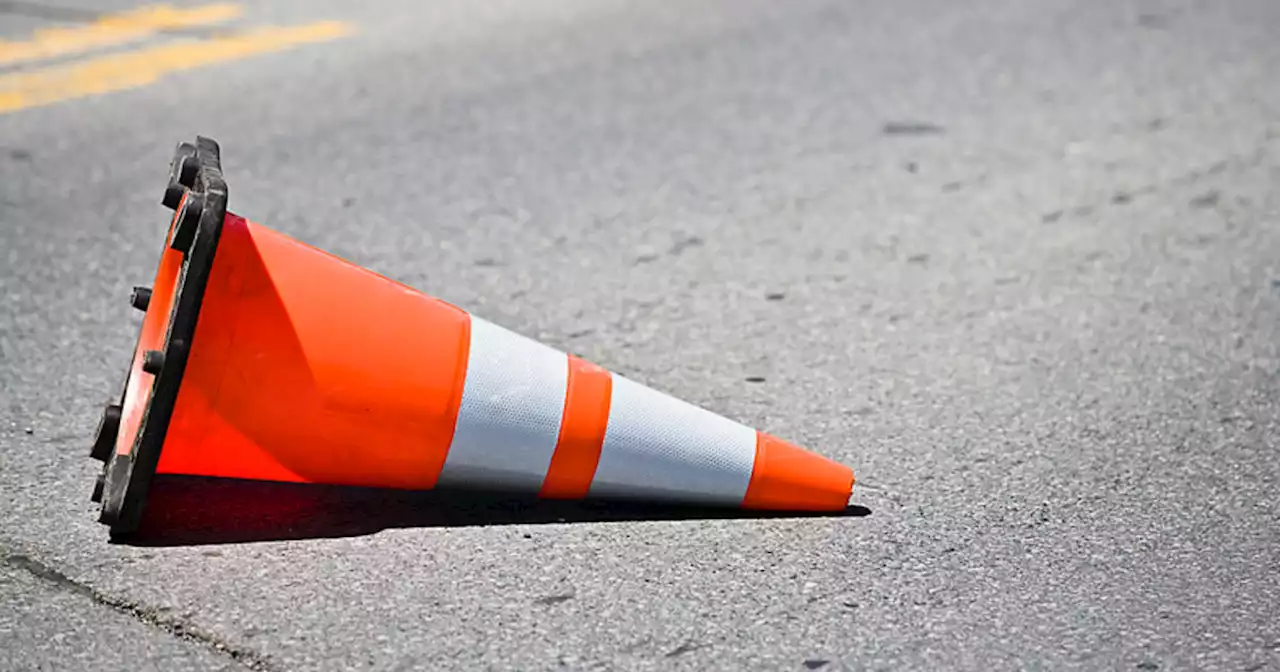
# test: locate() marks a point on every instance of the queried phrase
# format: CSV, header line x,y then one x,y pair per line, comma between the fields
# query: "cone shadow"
x,y
197,510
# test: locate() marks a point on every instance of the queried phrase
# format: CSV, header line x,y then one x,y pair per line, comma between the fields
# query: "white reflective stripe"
x,y
663,448
509,418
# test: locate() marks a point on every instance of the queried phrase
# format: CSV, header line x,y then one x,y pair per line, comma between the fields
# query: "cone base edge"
x,y
127,478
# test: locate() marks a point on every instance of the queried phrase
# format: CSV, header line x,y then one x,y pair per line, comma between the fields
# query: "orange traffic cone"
x,y
260,357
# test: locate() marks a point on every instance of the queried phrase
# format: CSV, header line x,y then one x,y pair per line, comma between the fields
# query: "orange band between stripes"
x,y
586,417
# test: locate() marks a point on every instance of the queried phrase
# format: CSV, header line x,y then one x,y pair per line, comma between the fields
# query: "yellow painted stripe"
x,y
133,69
113,30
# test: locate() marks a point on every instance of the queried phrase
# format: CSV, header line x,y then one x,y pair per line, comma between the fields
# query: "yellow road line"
x,y
113,30
133,69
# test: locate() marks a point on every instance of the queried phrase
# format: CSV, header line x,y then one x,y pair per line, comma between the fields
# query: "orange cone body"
x,y
307,368
285,363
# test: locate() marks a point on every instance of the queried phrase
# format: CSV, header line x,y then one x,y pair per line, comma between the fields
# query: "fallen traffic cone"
x,y
260,357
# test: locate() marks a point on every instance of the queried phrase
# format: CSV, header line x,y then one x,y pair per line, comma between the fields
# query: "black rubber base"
x,y
198,193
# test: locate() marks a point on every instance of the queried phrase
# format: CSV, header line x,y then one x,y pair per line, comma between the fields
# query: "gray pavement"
x,y
1015,262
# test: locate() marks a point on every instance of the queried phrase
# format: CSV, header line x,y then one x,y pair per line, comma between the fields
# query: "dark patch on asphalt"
x,y
774,296
1153,21
636,645
1051,217
19,155
755,379
348,202
486,262
1157,124
683,244
581,332
646,258
1148,665
918,258
1206,200
554,599
685,648
1121,198
912,167
815,663
1042,515
951,186
912,128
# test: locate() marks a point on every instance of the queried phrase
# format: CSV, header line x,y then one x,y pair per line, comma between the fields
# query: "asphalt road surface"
x,y
1015,262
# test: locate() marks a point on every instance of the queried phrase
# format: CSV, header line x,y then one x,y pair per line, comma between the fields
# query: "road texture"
x,y
1017,262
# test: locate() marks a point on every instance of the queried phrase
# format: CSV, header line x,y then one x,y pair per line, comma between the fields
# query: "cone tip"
x,y
788,477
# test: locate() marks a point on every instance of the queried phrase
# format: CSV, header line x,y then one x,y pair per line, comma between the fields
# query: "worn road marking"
x,y
113,30
117,72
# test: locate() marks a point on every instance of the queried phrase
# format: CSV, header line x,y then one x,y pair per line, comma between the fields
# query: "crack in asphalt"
x,y
172,626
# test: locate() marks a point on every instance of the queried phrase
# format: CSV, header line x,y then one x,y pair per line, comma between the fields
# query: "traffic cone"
x,y
260,357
